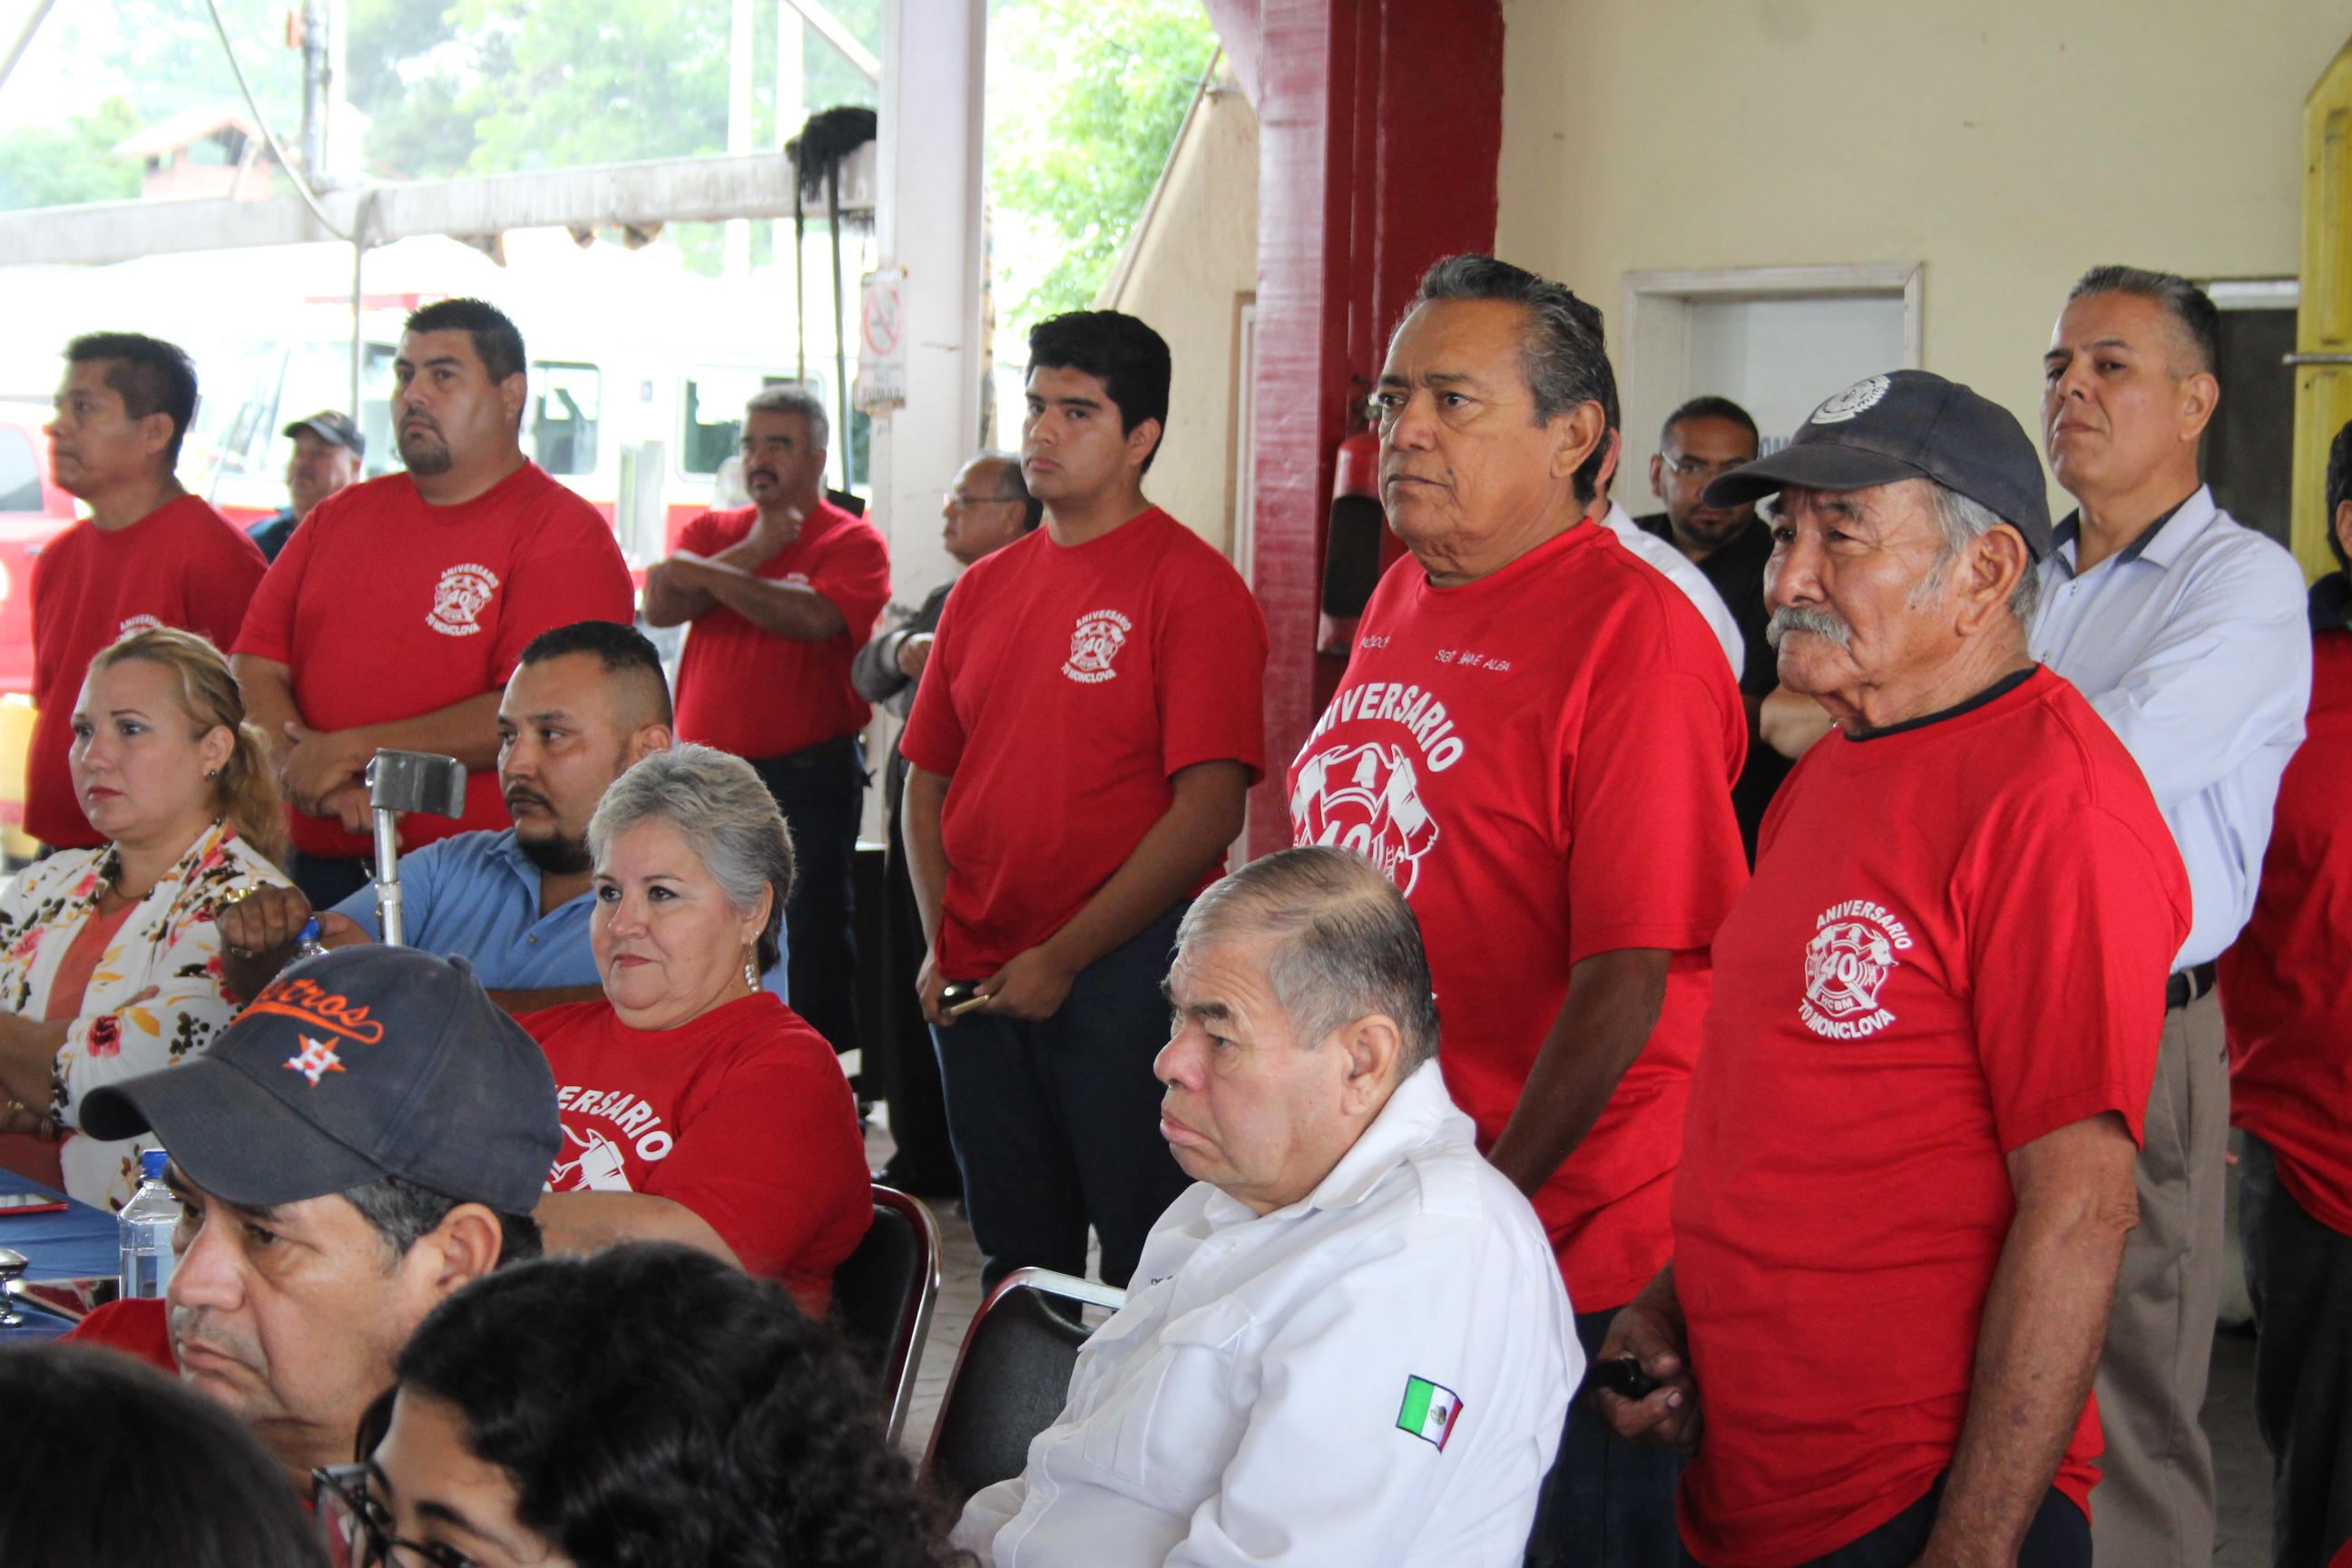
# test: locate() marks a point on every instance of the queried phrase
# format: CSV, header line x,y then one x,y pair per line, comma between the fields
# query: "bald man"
x,y
585,702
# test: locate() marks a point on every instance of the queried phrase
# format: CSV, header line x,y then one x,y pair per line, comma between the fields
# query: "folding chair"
x,y
1011,1380
882,1297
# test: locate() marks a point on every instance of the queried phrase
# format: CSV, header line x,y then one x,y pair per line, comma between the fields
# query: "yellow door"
x,y
2322,380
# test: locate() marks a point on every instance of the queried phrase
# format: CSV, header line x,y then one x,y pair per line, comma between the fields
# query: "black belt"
x,y
2185,986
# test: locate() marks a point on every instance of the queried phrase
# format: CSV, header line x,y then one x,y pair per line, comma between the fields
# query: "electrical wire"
x,y
301,185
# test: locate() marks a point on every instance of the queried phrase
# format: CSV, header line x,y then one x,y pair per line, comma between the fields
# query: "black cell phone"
x,y
1626,1377
30,1202
957,997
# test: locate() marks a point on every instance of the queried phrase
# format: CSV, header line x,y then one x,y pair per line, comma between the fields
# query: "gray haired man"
x,y
1353,1346
2187,632
782,593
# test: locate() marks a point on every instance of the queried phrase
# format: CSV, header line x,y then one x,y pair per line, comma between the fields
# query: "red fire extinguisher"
x,y
1352,553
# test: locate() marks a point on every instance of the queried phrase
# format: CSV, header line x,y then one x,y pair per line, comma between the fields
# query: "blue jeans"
x,y
1055,1121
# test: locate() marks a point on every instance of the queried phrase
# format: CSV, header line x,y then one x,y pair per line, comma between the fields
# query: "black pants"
x,y
925,1162
1608,1503
1057,1122
2299,1273
821,790
328,880
2059,1537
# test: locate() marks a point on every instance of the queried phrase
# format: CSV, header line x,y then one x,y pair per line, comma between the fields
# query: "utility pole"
x,y
740,90
790,64
311,26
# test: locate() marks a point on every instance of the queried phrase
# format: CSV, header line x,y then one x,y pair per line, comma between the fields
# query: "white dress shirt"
x,y
1376,1374
2192,644
1684,574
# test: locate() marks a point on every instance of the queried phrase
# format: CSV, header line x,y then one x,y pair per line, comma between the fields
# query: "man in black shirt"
x,y
1704,439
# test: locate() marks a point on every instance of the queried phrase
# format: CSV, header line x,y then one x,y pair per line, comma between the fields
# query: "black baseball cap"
x,y
370,1062
332,424
1908,424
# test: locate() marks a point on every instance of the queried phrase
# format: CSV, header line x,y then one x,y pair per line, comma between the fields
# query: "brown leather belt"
x,y
2185,986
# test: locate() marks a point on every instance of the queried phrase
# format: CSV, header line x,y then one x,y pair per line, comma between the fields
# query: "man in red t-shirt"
x,y
2286,999
1536,739
399,608
782,593
1908,1170
149,553
1089,724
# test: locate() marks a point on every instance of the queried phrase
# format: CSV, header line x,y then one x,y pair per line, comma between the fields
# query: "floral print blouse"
x,y
167,944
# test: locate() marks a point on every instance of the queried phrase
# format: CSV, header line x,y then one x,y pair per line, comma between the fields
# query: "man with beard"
x,y
400,607
586,703
322,1219
782,593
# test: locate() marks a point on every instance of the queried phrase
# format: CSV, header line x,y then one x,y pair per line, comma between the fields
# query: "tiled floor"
x,y
2242,1467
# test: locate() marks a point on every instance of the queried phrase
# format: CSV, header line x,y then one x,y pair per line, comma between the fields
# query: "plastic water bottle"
x,y
306,943
147,1222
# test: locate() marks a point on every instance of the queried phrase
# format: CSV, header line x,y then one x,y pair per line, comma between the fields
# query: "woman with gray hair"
x,y
696,1107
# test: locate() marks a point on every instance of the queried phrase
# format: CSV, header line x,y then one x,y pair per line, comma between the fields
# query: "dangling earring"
x,y
750,975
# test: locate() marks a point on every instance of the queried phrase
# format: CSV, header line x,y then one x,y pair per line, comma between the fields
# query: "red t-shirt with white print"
x,y
741,1115
758,693
1069,684
384,607
1542,760
1955,944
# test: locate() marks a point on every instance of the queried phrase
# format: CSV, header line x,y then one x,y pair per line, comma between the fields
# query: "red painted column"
x,y
1380,124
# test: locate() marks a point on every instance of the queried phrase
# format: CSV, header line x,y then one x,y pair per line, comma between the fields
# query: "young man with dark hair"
x,y
2286,998
586,703
1704,439
1088,722
400,607
323,1218
149,553
782,593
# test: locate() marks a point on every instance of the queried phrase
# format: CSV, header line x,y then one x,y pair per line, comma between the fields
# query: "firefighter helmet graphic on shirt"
x,y
1366,798
1846,964
1100,635
599,1167
460,599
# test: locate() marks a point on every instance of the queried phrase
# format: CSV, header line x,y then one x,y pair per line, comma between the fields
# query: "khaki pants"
x,y
2154,1505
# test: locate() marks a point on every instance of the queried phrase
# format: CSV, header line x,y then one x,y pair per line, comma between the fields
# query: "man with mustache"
x,y
322,1218
781,594
2187,632
1906,1170
585,702
397,611
149,553
1536,739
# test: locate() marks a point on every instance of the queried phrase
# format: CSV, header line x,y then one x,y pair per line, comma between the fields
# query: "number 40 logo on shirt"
x,y
1429,1410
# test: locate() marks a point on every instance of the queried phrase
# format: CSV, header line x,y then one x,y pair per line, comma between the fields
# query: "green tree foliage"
x,y
1078,137
54,165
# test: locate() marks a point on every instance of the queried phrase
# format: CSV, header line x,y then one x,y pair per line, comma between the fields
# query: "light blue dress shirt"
x,y
478,894
2192,644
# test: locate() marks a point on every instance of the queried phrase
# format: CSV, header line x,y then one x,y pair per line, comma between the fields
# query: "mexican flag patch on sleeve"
x,y
1429,1410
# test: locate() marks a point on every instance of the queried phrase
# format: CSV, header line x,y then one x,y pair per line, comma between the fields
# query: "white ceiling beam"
x,y
671,190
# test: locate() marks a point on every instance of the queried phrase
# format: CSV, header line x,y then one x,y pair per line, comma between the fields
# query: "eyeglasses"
x,y
359,1528
1693,468
959,500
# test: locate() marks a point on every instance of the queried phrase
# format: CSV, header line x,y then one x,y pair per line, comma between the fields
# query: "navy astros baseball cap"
x,y
1908,424
370,1062
332,424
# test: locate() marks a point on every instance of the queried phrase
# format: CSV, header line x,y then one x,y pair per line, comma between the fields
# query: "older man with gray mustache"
x,y
1907,1168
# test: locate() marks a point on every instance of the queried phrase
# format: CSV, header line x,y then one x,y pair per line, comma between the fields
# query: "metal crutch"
x,y
403,781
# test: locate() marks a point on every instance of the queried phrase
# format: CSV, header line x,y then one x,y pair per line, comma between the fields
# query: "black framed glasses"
x,y
358,1527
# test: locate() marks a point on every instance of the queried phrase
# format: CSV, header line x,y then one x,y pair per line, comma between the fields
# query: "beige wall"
x,y
1191,264
2006,144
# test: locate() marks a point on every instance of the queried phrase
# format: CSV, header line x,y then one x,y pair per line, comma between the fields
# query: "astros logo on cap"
x,y
307,1002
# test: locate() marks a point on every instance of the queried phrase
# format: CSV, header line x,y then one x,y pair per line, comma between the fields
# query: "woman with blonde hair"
x,y
109,962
